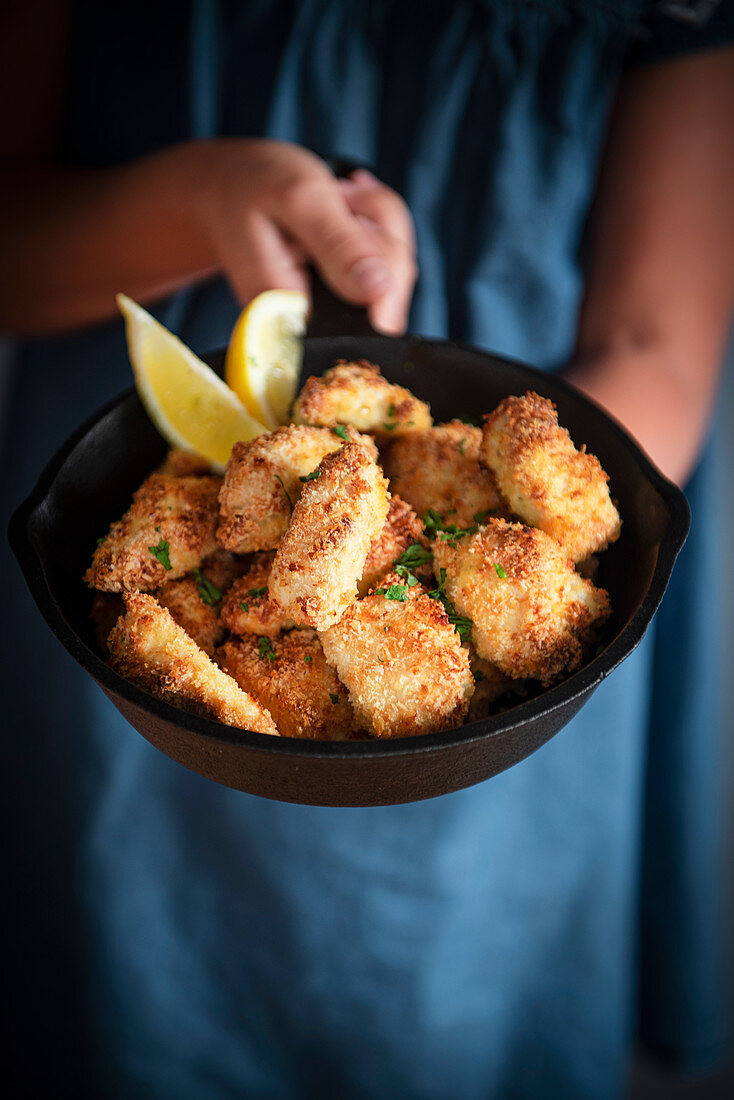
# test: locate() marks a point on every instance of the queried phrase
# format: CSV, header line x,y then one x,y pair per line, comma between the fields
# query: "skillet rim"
x,y
577,685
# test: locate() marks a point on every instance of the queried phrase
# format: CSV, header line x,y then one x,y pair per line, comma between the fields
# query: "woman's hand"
x,y
270,209
259,212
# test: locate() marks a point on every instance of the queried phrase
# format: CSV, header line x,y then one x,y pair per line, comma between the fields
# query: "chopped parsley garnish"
x,y
246,608
342,432
480,517
257,592
460,623
334,698
308,658
312,476
265,649
436,527
394,592
389,427
410,579
461,445
161,553
287,495
414,556
101,539
500,571
210,593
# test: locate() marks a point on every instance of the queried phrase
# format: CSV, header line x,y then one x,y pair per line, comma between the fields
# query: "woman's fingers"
x,y
263,258
385,214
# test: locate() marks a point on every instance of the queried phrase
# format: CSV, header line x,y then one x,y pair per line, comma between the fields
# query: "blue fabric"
x,y
181,940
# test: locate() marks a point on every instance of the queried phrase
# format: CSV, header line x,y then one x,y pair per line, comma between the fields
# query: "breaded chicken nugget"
x,y
322,556
532,613
263,481
401,659
290,677
545,480
165,533
402,529
439,468
195,600
357,394
148,648
180,463
248,608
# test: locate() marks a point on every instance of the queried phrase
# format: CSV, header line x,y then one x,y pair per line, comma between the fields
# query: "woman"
x,y
203,943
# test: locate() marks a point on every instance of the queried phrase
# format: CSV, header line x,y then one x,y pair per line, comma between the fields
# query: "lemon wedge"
x,y
264,355
189,404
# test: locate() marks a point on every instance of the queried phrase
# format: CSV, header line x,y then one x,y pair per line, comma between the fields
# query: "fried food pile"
x,y
361,572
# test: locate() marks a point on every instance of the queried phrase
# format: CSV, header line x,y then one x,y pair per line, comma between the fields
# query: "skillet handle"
x,y
332,316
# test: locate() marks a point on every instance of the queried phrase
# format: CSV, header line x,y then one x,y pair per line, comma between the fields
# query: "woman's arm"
x,y
257,211
660,285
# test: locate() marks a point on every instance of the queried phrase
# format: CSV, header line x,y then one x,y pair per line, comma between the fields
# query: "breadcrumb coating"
x,y
358,394
439,468
290,677
248,608
402,528
403,663
177,515
323,553
545,480
262,483
194,601
533,614
148,648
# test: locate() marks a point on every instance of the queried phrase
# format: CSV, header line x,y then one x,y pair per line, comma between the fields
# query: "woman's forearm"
x,y
74,237
656,403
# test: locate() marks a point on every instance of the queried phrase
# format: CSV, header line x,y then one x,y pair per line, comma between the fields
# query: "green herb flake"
x,y
482,517
460,623
461,445
435,526
389,427
342,432
101,539
334,698
410,579
287,494
210,593
161,552
265,649
246,608
415,556
397,592
391,412
256,593
308,658
500,571
312,476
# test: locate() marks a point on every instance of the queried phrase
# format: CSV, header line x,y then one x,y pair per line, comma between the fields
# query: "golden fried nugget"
x,y
262,483
357,394
334,523
402,660
533,614
180,463
402,528
290,677
165,533
439,468
194,601
248,608
545,480
148,648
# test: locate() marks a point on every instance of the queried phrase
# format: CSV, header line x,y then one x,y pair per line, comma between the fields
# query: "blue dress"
x,y
180,940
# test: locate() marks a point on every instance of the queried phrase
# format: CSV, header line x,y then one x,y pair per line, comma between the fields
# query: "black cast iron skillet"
x,y
90,481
